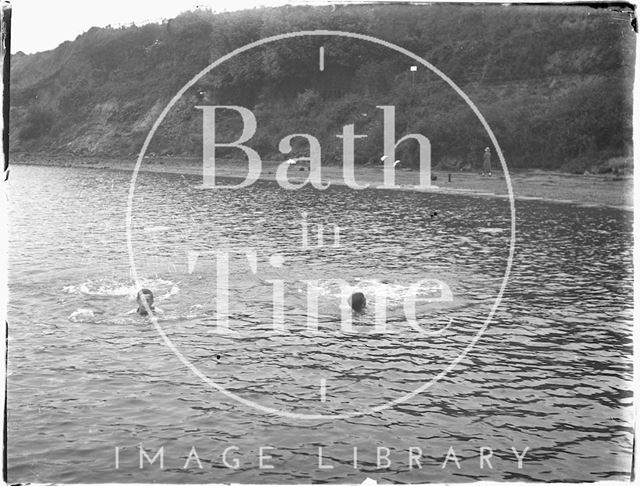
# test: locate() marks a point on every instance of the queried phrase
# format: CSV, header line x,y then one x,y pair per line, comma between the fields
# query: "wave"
x,y
394,293
491,230
82,315
163,289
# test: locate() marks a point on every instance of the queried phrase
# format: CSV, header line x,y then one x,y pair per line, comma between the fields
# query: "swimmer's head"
x,y
487,149
357,301
144,295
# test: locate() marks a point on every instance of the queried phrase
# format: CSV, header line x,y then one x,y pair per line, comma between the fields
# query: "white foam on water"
x,y
123,288
82,315
491,230
174,290
395,293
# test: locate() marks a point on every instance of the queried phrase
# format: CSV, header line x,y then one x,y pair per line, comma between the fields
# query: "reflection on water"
x,y
551,373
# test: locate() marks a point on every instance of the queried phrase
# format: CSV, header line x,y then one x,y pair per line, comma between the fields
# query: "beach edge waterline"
x,y
530,185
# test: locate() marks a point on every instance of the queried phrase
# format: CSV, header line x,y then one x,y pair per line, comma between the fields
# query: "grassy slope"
x,y
554,83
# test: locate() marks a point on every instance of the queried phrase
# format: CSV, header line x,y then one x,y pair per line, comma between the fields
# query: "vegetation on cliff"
x,y
554,83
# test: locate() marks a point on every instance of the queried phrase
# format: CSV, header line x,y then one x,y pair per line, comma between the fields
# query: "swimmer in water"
x,y
145,295
358,301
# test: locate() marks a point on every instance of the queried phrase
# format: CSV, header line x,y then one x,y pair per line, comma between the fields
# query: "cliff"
x,y
554,83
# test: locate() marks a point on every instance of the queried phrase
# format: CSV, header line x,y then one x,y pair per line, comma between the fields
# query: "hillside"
x,y
554,83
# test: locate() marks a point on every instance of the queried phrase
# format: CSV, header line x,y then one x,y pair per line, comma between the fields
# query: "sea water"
x,y
89,383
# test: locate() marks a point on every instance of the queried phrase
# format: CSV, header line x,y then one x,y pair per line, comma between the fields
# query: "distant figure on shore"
x,y
145,295
358,301
486,162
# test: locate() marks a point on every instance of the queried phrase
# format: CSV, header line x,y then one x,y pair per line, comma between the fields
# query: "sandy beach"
x,y
586,190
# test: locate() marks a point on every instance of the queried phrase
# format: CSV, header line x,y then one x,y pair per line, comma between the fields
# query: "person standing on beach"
x,y
486,162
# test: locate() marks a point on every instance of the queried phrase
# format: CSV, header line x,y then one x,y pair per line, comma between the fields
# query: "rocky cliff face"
x,y
553,82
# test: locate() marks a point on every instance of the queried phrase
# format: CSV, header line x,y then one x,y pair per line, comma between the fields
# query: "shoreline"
x,y
598,190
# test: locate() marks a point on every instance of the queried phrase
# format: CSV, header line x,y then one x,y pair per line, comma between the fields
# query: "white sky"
x,y
40,25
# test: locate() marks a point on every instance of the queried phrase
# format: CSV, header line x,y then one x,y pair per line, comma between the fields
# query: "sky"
x,y
40,25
